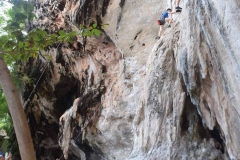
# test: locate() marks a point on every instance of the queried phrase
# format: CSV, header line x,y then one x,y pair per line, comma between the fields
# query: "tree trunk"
x,y
16,110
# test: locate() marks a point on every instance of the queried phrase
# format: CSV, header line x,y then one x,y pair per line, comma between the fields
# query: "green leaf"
x,y
20,45
87,32
41,33
9,45
81,26
61,37
18,34
28,7
3,40
70,39
103,25
62,33
8,58
21,25
15,25
72,33
96,32
37,38
53,36
20,17
94,25
11,26
90,28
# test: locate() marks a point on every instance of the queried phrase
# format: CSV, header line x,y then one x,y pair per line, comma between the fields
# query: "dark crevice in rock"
x,y
106,38
137,35
105,5
61,6
44,137
197,88
104,69
184,68
121,4
80,17
191,123
89,98
73,157
65,102
64,86
59,58
91,152
118,20
96,5
215,133
86,13
99,21
192,88
220,137
187,112
45,153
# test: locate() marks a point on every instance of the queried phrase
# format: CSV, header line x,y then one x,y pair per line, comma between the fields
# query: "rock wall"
x,y
137,97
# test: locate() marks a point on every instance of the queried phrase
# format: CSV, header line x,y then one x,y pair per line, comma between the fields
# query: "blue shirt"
x,y
164,15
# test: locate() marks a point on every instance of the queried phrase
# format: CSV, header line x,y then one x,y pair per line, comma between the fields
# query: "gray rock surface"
x,y
173,98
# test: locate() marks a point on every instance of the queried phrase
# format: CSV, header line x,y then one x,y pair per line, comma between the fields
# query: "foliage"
x,y
3,17
91,31
16,44
3,103
17,74
13,29
5,119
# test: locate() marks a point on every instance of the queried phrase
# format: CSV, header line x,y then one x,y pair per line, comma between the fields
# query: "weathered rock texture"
x,y
136,97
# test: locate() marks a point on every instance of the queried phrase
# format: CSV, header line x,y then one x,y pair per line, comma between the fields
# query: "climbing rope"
x,y
35,86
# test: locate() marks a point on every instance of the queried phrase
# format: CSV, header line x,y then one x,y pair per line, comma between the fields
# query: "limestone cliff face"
x,y
129,96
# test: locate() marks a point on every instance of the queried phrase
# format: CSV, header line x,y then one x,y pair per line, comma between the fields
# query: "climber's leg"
x,y
161,27
160,30
177,5
177,2
169,20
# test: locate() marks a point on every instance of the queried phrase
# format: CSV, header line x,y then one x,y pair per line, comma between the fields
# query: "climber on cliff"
x,y
164,18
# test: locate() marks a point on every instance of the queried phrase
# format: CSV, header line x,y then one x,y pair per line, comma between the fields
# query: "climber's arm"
x,y
173,12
